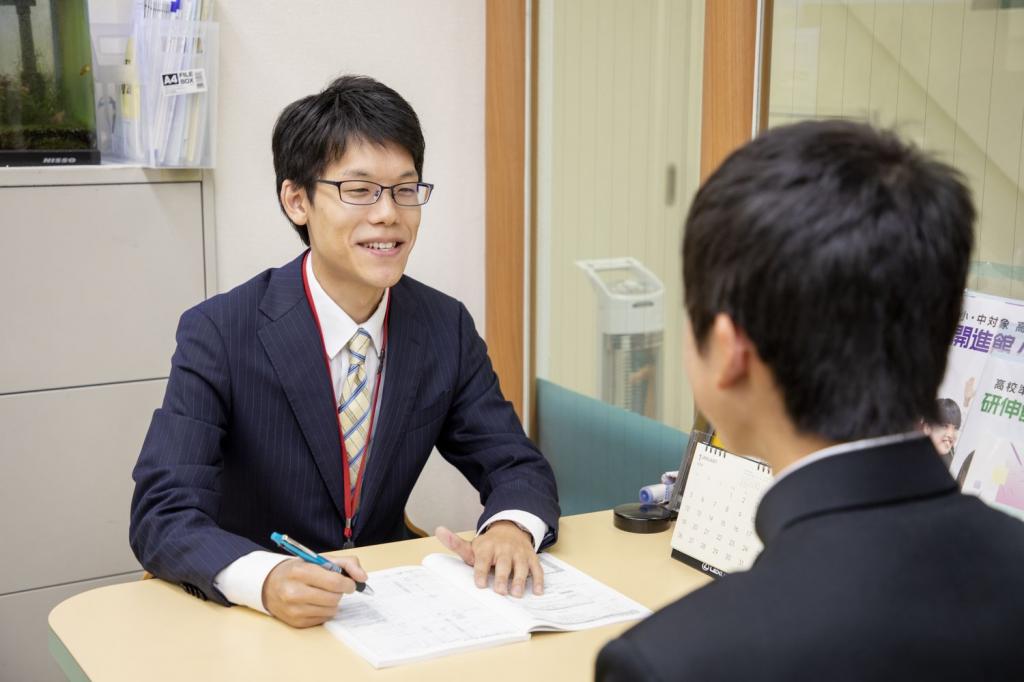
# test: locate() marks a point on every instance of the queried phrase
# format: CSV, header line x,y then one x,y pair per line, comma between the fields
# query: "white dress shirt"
x,y
241,582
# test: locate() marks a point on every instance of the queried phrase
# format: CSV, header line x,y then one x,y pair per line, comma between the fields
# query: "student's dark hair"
x,y
313,132
947,412
842,253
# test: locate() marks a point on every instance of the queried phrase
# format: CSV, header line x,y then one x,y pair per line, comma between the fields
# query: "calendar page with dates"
x,y
720,491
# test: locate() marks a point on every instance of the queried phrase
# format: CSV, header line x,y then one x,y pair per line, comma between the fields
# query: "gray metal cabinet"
x,y
96,266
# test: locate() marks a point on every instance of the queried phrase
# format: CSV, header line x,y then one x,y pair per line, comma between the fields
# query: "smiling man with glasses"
x,y
308,399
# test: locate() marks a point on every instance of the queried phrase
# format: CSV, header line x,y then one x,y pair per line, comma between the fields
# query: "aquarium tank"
x,y
46,90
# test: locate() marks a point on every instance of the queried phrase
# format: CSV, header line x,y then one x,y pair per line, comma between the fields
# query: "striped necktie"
x,y
354,407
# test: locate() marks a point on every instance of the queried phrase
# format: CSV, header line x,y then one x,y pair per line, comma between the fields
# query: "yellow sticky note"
x,y
999,475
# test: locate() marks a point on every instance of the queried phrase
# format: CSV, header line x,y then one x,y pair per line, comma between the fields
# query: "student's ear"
x,y
295,202
732,352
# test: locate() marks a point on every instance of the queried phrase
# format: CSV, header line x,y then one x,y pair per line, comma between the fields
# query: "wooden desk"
x,y
151,630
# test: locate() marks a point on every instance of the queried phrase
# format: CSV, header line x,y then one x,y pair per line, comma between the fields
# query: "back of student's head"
x,y
314,132
842,253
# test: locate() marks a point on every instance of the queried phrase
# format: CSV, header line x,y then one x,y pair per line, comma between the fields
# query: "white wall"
x,y
430,51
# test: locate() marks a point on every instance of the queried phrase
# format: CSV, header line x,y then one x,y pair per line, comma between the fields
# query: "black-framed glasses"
x,y
365,193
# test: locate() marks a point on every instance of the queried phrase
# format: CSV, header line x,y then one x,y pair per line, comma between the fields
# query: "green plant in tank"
x,y
35,118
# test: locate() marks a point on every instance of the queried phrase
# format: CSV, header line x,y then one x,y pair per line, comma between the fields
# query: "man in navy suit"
x,y
824,265
270,379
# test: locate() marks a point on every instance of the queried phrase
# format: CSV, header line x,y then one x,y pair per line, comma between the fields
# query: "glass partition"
x,y
618,142
948,74
618,161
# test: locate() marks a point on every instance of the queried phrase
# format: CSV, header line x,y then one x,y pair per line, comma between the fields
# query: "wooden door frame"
x,y
505,90
730,61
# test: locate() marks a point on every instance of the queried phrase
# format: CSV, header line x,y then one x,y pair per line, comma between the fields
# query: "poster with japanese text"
x,y
982,395
989,460
987,324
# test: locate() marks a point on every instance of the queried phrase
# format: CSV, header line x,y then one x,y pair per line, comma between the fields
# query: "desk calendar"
x,y
720,491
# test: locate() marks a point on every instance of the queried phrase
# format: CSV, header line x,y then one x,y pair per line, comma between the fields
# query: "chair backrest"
x,y
414,530
601,454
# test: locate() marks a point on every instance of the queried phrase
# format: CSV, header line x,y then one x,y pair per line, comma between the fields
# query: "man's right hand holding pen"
x,y
303,595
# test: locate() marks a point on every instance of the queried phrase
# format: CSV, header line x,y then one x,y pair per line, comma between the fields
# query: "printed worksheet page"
x,y
415,614
572,600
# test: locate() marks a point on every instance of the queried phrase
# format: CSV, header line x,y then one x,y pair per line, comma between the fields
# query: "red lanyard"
x,y
351,498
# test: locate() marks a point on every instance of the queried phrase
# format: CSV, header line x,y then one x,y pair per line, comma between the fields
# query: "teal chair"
x,y
601,454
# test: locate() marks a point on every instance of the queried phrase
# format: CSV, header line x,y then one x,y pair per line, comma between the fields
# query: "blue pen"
x,y
306,554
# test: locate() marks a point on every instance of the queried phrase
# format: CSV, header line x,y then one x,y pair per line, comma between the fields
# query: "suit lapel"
x,y
294,346
401,380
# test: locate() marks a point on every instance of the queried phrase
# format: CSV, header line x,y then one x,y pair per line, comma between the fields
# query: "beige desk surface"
x,y
152,630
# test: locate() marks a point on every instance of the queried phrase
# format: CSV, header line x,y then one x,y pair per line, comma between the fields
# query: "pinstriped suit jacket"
x,y
246,441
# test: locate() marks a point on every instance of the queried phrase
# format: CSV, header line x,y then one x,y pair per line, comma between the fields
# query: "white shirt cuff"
x,y
241,582
525,520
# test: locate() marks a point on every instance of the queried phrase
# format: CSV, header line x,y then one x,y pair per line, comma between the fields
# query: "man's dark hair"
x,y
313,132
947,412
842,253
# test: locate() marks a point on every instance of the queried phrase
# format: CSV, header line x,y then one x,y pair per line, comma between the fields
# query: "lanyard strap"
x,y
351,498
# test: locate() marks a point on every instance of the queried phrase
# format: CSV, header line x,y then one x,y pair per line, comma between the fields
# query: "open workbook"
x,y
420,612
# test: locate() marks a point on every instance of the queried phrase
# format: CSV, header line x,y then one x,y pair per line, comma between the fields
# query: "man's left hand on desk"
x,y
506,548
